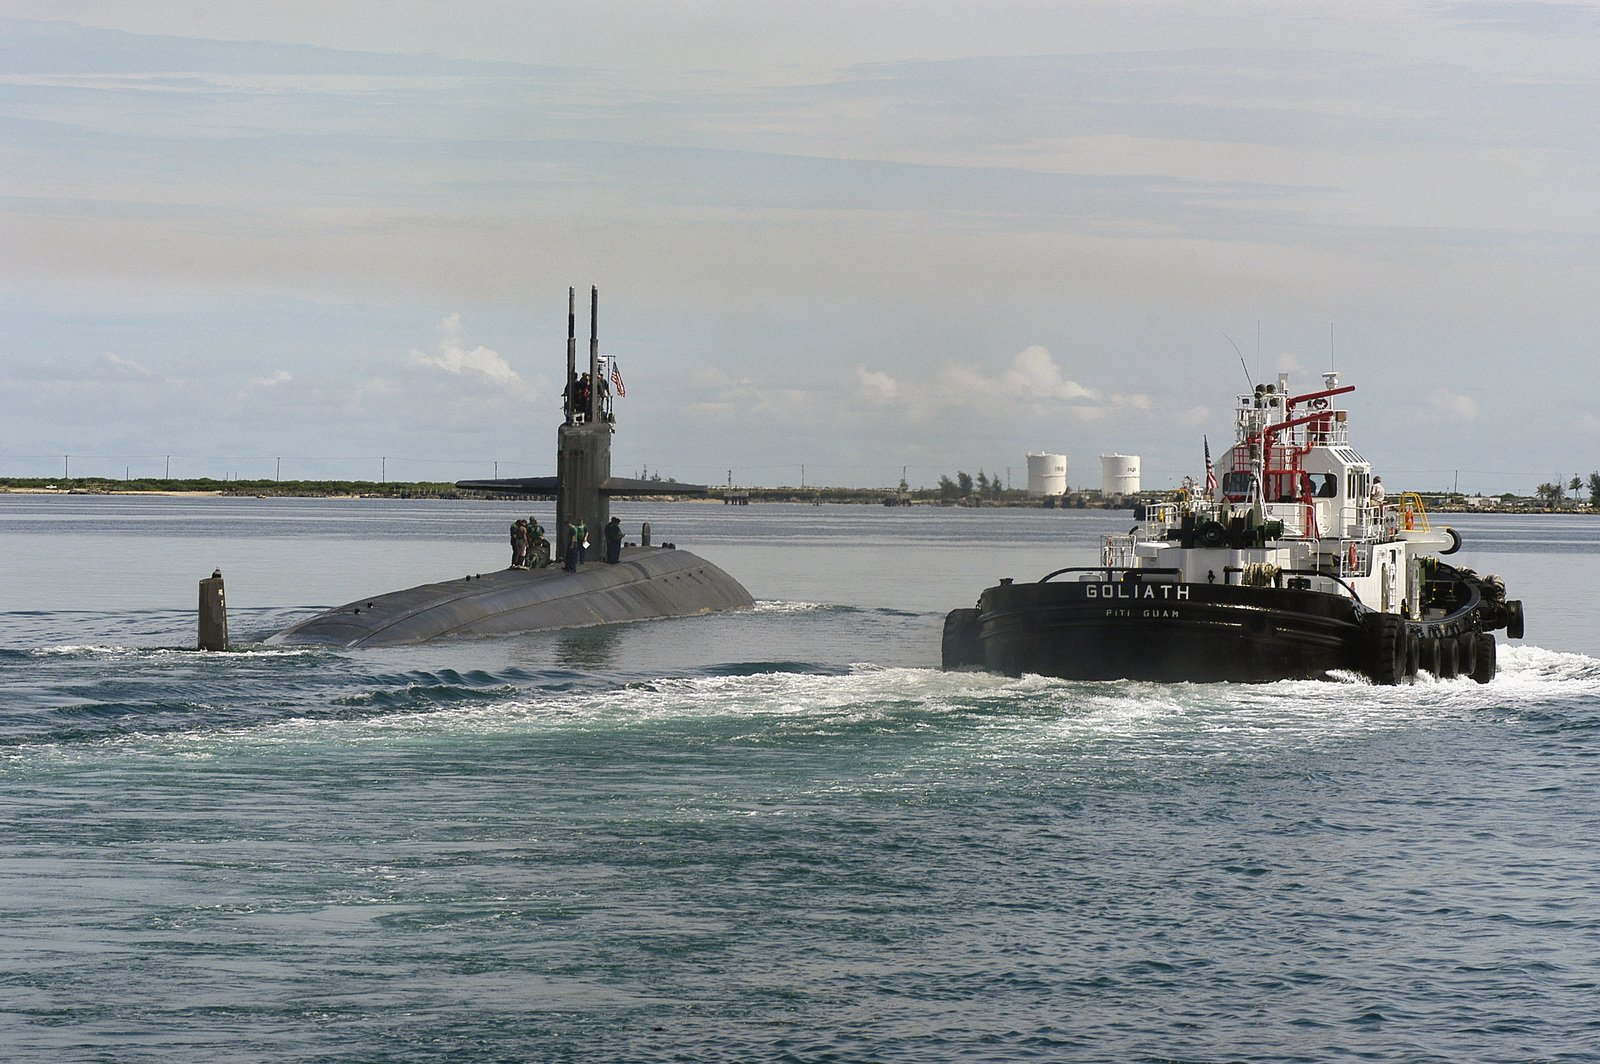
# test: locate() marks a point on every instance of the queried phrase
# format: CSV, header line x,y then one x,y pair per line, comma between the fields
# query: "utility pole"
x,y
383,469
66,464
279,474
169,468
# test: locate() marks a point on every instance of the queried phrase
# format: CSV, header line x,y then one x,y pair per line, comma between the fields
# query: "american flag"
x,y
1211,471
616,378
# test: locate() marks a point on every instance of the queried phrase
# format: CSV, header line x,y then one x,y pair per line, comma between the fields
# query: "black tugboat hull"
x,y
1165,633
1122,627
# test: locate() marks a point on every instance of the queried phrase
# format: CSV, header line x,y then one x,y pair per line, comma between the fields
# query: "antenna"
x,y
1242,364
1331,362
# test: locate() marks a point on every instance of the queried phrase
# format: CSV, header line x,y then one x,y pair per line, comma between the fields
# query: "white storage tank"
x,y
1047,474
1119,474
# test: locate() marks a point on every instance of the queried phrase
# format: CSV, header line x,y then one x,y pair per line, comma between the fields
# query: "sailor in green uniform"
x,y
571,548
538,548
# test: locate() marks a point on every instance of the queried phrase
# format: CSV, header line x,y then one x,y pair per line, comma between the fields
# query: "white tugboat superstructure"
x,y
1291,564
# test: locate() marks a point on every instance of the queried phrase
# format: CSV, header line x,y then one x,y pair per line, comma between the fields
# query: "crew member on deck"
x,y
538,555
614,541
519,543
582,397
577,540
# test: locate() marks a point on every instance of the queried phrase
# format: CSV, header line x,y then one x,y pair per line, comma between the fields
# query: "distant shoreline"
x,y
7,490
889,498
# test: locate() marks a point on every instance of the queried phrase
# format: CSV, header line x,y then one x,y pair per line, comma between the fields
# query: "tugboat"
x,y
1293,566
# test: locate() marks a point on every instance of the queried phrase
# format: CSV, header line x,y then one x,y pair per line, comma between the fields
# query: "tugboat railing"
x,y
1370,522
1162,514
1134,575
1321,574
1130,574
1410,515
1117,551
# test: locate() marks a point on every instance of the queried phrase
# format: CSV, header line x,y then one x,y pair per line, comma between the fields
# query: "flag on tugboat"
x,y
1211,472
616,378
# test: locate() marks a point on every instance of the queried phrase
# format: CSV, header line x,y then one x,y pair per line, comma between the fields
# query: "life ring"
x,y
1320,403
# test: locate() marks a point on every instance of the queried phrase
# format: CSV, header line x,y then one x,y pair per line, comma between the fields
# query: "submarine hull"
x,y
646,584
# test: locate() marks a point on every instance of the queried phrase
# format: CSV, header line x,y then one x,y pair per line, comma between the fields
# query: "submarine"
x,y
647,582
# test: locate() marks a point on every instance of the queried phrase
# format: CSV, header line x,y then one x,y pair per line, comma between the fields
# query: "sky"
x,y
835,243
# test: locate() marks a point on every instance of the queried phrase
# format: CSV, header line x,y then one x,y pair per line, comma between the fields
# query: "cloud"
x,y
721,395
1032,379
283,376
454,357
472,373
875,387
1446,405
125,368
1291,363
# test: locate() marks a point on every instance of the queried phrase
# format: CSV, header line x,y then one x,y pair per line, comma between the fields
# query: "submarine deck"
x,y
647,583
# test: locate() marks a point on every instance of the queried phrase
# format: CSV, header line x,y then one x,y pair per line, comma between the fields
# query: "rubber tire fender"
x,y
1450,658
1484,665
1455,541
1514,619
1383,648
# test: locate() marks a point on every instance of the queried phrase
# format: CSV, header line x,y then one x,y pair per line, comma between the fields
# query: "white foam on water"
x,y
970,709
113,650
782,607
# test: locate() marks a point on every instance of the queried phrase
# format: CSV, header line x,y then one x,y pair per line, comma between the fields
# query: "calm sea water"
x,y
776,835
